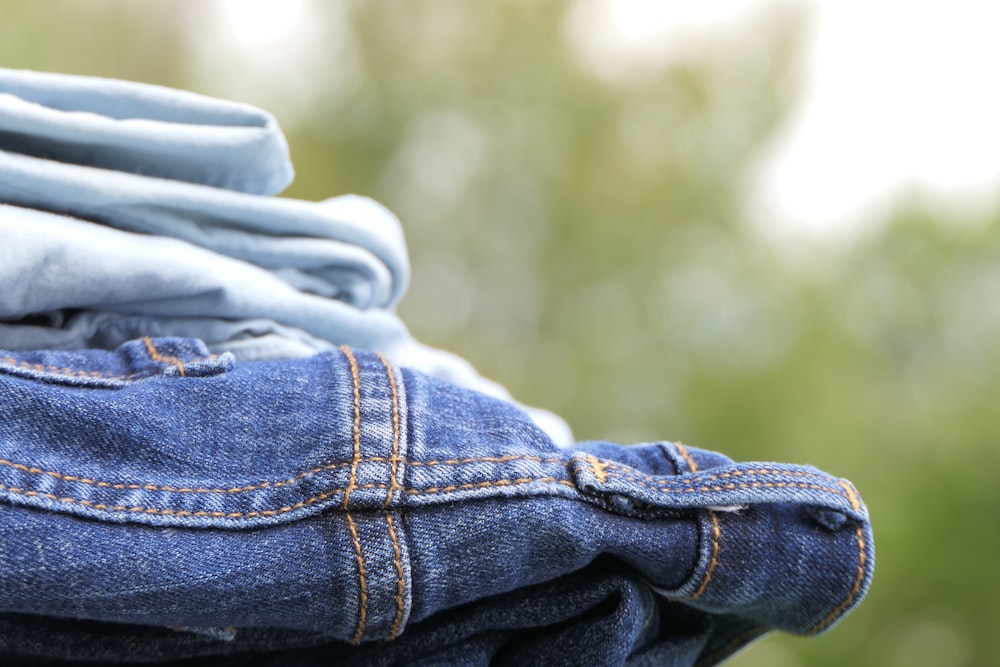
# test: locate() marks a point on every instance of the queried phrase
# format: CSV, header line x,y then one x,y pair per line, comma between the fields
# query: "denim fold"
x,y
343,501
143,129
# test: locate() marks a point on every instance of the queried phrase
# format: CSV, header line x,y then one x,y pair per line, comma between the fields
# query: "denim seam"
x,y
170,489
394,486
241,489
281,510
687,486
859,578
335,491
181,513
155,355
121,486
716,529
67,372
345,490
151,349
355,462
394,458
625,470
597,467
397,620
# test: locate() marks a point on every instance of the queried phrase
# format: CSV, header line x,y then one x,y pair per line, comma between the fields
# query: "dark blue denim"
x,y
161,504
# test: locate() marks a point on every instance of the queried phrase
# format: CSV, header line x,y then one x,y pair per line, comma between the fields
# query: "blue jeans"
x,y
161,503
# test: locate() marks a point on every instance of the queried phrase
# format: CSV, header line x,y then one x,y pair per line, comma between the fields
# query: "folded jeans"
x,y
296,508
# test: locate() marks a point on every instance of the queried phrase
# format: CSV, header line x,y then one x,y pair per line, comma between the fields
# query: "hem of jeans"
x,y
709,535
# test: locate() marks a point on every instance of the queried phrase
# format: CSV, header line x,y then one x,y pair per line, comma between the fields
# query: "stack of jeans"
x,y
220,445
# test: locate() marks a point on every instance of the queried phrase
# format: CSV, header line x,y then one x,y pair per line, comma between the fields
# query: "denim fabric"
x,y
162,503
347,248
158,224
142,129
141,158
85,278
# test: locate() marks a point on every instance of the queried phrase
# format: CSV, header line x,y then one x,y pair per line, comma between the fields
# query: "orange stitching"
x,y
716,534
674,485
736,473
70,372
862,559
682,450
352,483
263,485
281,510
360,631
599,468
356,382
171,489
716,529
156,356
169,512
393,487
850,494
393,483
400,584
739,640
341,464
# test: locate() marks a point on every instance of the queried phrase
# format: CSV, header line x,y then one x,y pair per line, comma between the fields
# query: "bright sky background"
x,y
898,98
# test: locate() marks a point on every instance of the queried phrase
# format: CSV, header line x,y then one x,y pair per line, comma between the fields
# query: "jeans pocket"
x,y
132,362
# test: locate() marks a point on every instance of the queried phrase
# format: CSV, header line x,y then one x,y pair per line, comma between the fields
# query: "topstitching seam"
x,y
359,556
281,510
393,482
156,356
632,472
669,485
394,486
397,620
342,464
265,485
356,458
859,576
716,530
679,486
62,370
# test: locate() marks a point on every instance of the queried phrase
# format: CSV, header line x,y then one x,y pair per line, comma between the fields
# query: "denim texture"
x,y
142,129
139,210
161,503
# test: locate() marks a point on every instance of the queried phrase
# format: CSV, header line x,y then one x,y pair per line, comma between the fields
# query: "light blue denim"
x,y
144,129
159,503
129,210
347,248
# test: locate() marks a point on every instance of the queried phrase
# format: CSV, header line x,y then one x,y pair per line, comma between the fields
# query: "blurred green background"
x,y
580,238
